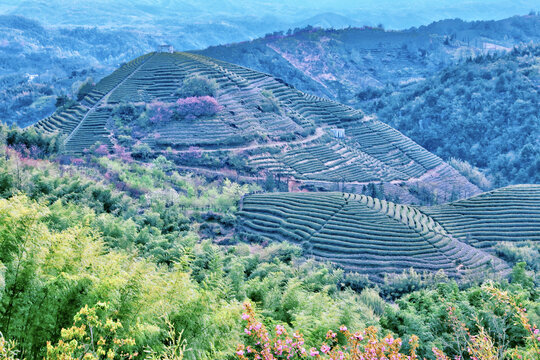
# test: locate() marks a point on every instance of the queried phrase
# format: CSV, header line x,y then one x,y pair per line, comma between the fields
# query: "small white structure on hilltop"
x,y
31,77
338,133
166,48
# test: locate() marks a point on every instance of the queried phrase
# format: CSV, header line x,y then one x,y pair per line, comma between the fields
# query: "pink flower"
x,y
240,352
325,349
330,334
280,329
102,150
343,328
245,316
313,352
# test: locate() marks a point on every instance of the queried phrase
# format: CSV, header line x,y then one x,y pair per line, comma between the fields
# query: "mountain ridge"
x,y
339,63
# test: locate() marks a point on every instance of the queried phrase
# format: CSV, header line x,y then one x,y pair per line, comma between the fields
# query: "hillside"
x,y
39,63
338,64
484,111
506,214
258,125
364,234
136,243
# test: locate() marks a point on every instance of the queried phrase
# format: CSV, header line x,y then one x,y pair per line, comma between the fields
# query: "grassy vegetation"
x,y
109,240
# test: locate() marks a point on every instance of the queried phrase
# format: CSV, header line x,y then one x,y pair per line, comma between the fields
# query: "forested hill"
x,y
39,63
484,111
339,63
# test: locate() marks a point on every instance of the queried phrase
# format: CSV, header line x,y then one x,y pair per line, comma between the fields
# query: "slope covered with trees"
x,y
337,64
483,110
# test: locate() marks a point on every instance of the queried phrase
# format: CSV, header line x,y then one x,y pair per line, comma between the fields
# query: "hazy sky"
x,y
392,13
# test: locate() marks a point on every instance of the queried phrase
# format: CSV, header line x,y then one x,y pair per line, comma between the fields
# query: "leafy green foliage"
x,y
196,86
470,111
442,317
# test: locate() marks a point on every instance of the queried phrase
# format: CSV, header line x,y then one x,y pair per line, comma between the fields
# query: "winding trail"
x,y
319,132
103,100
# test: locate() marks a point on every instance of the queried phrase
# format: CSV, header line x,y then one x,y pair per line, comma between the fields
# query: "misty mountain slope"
x,y
38,63
396,14
339,63
484,111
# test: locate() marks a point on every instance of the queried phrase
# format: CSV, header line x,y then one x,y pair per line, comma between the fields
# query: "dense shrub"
x,y
31,143
142,151
193,107
269,103
473,174
188,108
196,86
85,88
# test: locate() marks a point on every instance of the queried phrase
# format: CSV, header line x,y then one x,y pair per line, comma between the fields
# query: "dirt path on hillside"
x,y
318,134
102,101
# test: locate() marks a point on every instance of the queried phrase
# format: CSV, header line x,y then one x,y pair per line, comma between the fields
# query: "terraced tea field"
x,y
365,151
508,214
363,234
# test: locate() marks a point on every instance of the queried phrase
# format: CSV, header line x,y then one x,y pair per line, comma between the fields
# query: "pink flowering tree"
x,y
102,150
189,108
121,153
160,112
194,107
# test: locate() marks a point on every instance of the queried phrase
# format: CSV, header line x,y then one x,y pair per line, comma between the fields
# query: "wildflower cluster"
x,y
262,346
8,349
364,345
93,336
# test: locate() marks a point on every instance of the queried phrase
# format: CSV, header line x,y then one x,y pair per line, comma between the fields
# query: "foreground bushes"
x,y
479,343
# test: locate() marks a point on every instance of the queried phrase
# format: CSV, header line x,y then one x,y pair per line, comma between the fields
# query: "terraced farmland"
x,y
507,214
361,234
367,150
